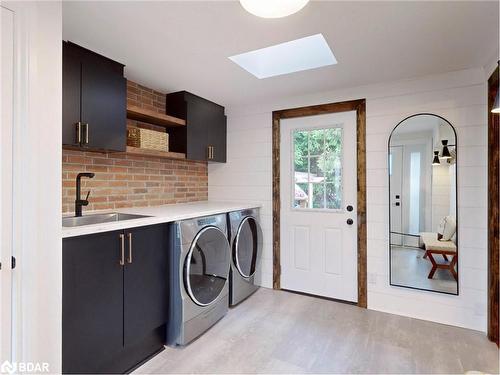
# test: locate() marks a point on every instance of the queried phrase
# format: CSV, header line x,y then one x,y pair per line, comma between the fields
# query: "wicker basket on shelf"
x,y
149,139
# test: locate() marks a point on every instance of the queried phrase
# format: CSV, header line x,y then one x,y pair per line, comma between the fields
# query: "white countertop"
x,y
157,215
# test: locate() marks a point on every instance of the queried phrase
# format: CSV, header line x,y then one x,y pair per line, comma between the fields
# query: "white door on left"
x,y
6,130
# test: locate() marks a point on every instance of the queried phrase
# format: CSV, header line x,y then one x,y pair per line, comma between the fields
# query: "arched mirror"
x,y
423,204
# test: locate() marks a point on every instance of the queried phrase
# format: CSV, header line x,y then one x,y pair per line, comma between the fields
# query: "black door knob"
x,y
350,221
349,208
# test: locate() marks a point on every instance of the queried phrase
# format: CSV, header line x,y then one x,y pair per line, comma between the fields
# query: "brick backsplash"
x,y
144,97
133,181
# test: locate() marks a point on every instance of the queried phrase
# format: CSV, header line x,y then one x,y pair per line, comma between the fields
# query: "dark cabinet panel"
x,y
104,101
145,282
114,316
217,137
71,97
94,96
92,316
204,136
197,128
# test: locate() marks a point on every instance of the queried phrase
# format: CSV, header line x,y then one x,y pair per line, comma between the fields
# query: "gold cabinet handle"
x,y
86,133
129,260
213,152
78,132
122,259
208,152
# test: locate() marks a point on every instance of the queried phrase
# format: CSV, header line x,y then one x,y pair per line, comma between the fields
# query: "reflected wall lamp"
x,y
436,161
446,153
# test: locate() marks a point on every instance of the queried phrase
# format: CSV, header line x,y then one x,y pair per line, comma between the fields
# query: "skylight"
x,y
297,55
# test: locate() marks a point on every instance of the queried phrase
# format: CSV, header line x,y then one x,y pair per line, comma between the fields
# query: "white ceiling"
x,y
184,45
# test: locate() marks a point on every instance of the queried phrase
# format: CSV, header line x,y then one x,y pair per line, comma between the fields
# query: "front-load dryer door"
x,y
206,268
247,246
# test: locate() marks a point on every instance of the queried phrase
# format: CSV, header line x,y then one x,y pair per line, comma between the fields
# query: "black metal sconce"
x,y
436,161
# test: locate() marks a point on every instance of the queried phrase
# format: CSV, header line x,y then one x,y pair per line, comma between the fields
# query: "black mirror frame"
x,y
456,205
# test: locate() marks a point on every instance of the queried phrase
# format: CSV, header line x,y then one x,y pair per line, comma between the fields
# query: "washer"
x,y
246,249
199,268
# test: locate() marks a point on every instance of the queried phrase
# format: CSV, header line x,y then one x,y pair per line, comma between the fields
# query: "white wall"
x,y
460,97
37,183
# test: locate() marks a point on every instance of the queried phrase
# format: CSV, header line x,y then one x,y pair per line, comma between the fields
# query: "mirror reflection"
x,y
423,204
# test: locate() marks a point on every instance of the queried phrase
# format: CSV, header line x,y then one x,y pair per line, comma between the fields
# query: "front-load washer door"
x,y
247,246
206,268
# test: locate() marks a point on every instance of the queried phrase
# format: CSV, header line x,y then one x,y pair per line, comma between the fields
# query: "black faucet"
x,y
81,202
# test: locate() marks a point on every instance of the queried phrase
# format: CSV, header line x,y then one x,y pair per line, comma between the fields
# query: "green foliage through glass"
x,y
318,168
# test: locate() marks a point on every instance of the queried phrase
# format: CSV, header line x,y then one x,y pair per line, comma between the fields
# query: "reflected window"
x,y
414,220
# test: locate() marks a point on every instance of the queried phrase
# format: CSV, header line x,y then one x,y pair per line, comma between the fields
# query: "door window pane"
x,y
318,193
318,168
316,141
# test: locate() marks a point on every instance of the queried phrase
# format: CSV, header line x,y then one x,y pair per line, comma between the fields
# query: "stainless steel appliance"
x,y
245,236
199,269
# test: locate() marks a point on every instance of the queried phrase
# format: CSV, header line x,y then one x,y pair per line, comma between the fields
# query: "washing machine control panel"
x,y
207,221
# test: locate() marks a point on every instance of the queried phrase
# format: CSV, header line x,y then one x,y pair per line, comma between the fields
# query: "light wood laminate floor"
x,y
282,332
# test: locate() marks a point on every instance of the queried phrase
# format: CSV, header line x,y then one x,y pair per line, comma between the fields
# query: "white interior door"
x,y
318,182
6,109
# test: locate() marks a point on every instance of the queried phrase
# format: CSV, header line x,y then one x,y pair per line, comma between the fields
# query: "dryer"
x,y
199,268
245,236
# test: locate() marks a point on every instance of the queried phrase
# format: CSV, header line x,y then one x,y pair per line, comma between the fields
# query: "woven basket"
x,y
145,138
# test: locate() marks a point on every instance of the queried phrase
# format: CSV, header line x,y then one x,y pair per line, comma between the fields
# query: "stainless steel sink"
x,y
98,219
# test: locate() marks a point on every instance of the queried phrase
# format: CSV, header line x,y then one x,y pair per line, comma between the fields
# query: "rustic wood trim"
x,y
276,202
493,211
362,242
353,105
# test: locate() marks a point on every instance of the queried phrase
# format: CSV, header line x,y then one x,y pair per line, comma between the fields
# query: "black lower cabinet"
x,y
114,299
144,282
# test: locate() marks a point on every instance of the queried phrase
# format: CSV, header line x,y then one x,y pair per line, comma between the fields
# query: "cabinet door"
x,y
92,316
197,129
71,96
217,136
104,106
145,282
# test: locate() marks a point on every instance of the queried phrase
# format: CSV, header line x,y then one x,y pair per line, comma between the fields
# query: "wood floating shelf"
x,y
152,117
159,154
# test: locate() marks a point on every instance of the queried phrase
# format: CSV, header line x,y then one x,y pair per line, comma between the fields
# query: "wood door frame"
x,y
493,210
352,105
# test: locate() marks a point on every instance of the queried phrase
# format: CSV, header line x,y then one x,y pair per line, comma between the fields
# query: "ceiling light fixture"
x,y
273,8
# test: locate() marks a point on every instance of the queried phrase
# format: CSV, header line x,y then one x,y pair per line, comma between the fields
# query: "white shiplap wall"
x,y
460,97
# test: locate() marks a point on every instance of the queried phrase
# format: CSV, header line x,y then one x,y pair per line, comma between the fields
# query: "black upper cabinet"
x,y
204,136
94,100
72,72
